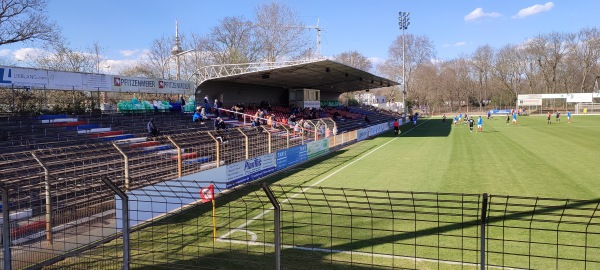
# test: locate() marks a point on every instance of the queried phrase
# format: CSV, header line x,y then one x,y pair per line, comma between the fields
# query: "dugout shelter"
x,y
304,83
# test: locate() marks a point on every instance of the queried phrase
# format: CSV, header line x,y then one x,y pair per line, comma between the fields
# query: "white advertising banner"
x,y
60,80
312,104
376,129
317,148
23,77
362,134
170,86
250,169
530,102
580,97
96,82
133,84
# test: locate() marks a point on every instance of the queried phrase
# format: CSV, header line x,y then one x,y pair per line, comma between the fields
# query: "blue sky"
x,y
126,28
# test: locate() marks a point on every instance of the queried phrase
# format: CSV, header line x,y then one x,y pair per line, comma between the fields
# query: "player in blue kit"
x,y
480,124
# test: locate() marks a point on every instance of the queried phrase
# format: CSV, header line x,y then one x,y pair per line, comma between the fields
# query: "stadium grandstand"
x,y
52,166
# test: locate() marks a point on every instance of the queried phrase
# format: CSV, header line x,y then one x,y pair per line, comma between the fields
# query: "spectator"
x,y
216,107
197,117
182,103
206,105
152,130
219,123
367,120
203,113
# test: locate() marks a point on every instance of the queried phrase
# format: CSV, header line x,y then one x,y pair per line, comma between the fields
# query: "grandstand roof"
x,y
324,75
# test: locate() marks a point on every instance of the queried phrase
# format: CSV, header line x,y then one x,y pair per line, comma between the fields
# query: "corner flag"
x,y
207,194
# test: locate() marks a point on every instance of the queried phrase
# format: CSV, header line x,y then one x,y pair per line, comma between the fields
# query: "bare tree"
x,y
418,50
550,51
482,61
280,32
25,20
61,57
587,56
510,69
231,42
97,51
354,59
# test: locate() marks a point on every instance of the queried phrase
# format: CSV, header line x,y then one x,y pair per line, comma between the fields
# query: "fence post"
x,y
179,157
277,224
48,199
5,228
484,205
126,164
125,213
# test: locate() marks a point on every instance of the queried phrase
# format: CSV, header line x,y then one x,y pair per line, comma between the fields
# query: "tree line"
x,y
547,63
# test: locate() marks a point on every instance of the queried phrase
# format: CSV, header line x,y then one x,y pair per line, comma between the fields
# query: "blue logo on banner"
x,y
2,75
291,156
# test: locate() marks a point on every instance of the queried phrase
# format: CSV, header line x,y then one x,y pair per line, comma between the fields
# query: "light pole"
x,y
164,64
403,22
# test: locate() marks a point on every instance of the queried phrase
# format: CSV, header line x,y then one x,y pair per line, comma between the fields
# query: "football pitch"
x,y
336,211
558,160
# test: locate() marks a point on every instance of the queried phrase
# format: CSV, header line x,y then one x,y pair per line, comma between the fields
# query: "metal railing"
x,y
262,225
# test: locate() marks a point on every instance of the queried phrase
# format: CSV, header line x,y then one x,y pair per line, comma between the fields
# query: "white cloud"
x,y
479,13
5,52
457,44
128,53
532,10
25,54
376,61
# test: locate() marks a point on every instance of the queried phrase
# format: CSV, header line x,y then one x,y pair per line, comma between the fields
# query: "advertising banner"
x,y
154,201
530,102
317,148
500,111
23,77
362,134
291,156
376,129
92,82
580,97
170,86
251,169
59,80
312,104
132,84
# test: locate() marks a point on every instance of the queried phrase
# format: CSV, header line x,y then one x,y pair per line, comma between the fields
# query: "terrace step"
x,y
144,144
59,120
69,124
93,130
157,148
116,137
107,134
196,160
132,140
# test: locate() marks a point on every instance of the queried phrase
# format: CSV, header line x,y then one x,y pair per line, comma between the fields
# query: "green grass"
x,y
533,159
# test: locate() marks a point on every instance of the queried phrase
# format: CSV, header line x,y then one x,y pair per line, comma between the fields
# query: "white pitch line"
x,y
239,228
367,254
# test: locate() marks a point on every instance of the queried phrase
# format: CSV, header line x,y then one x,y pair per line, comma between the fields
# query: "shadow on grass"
x,y
424,128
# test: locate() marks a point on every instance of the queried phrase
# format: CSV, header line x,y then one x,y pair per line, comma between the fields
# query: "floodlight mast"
x,y
403,22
